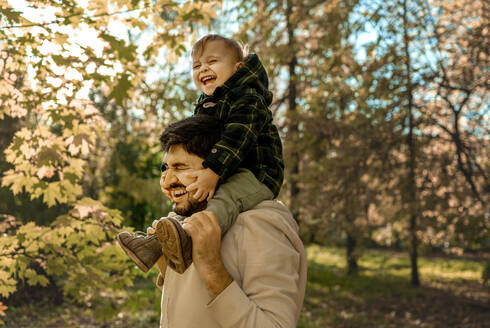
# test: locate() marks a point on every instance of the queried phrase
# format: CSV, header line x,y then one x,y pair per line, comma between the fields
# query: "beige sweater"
x,y
265,257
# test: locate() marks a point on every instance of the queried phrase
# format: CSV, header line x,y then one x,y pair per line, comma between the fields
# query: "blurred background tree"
x,y
85,92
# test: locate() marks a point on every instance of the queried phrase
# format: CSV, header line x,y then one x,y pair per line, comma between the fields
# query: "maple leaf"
x,y
52,193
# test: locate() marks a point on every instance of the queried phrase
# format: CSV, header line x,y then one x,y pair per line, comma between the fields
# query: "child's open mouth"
x,y
205,80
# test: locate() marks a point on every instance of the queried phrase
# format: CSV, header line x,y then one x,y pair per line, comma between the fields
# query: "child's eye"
x,y
196,66
212,61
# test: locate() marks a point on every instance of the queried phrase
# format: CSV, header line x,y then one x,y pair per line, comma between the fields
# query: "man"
x,y
255,276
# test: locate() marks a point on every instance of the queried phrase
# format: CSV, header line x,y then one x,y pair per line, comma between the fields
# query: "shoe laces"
x,y
140,234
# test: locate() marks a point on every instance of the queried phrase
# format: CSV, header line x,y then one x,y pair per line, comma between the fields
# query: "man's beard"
x,y
191,206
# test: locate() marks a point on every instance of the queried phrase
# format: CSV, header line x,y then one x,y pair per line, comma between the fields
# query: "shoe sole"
x,y
133,256
169,237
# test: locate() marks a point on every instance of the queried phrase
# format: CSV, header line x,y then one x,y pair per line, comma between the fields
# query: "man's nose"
x,y
167,178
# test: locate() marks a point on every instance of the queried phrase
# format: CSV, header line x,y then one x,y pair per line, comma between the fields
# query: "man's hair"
x,y
197,134
240,50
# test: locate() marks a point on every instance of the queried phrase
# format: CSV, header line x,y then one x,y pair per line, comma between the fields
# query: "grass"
x,y
452,295
452,292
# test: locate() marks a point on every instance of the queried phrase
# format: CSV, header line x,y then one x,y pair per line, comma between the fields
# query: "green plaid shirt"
x,y
249,138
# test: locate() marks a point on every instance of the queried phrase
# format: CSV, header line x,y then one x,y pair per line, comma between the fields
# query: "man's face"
x,y
214,66
173,181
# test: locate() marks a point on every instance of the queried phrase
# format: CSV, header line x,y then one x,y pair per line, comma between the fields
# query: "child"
x,y
235,90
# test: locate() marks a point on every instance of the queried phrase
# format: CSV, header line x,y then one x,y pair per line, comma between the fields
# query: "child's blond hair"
x,y
240,50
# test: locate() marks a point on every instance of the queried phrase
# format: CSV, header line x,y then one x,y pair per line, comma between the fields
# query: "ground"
x,y
452,294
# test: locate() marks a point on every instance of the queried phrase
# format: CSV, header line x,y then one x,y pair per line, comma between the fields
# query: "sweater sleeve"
x,y
270,287
246,120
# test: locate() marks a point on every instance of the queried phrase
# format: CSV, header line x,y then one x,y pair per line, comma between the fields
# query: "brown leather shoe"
x,y
176,244
142,249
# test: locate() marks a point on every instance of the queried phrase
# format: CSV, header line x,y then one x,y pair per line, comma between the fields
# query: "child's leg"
x,y
241,192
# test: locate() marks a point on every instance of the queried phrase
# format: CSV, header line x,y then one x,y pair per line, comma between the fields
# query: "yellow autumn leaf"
x,y
7,261
209,9
63,232
94,233
85,147
98,6
7,284
51,238
60,38
10,177
33,246
24,133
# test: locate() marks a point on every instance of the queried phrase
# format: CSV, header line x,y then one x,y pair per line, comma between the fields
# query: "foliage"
x,y
73,250
54,153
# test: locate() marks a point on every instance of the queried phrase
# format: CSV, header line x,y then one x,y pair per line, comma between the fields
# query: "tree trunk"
x,y
292,122
412,188
352,267
466,170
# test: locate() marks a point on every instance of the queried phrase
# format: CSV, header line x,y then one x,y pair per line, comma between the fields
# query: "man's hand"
x,y
205,232
151,230
205,184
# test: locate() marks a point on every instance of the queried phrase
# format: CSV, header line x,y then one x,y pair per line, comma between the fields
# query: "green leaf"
x,y
33,246
10,180
11,14
51,194
33,278
7,289
119,46
106,312
120,91
94,233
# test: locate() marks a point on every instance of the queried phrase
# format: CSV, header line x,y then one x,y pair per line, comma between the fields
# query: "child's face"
x,y
214,66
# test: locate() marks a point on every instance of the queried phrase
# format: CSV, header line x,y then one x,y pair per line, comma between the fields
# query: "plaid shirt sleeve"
x,y
247,118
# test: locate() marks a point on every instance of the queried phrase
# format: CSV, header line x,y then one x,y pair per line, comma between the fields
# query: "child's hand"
x,y
205,184
162,180
151,230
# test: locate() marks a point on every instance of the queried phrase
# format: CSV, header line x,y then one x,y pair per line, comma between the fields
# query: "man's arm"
x,y
204,229
270,268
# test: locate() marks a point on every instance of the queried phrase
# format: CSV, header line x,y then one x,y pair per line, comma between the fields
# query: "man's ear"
x,y
239,65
